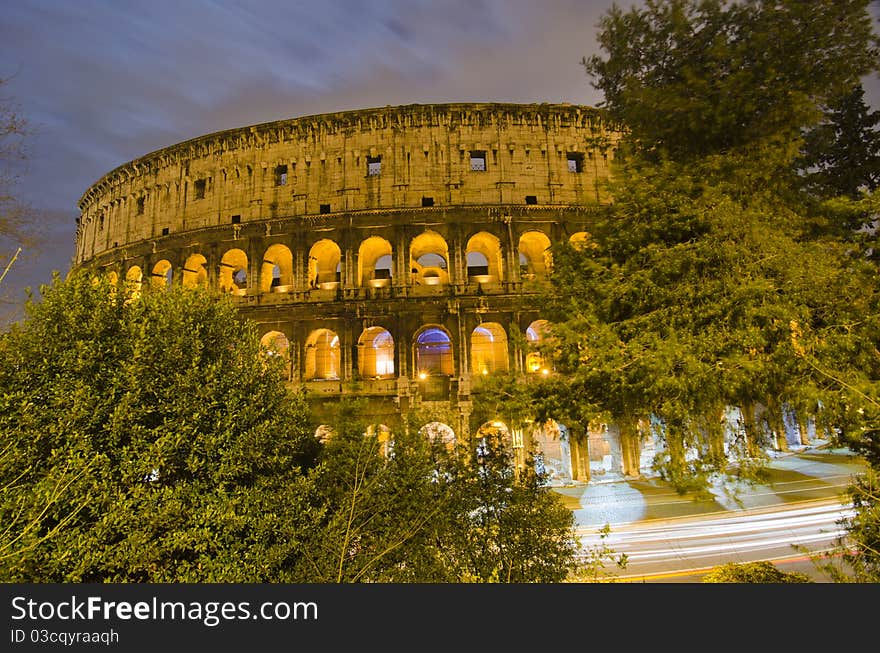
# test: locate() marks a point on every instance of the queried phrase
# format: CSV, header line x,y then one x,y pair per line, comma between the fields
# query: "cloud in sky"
x,y
104,82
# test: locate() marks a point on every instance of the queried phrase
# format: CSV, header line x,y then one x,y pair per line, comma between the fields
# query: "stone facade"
x,y
392,253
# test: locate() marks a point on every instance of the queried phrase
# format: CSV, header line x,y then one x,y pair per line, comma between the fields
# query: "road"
x,y
682,549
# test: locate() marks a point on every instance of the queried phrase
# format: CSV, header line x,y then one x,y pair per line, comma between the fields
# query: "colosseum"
x,y
393,253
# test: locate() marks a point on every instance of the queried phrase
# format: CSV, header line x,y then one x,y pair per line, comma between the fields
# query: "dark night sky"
x,y
102,83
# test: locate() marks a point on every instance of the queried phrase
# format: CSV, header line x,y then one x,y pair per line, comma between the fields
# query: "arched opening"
x,y
439,433
162,275
134,280
325,262
322,355
494,429
374,262
534,255
535,334
233,272
579,240
276,344
376,353
429,260
194,272
552,440
276,273
484,258
489,349
434,353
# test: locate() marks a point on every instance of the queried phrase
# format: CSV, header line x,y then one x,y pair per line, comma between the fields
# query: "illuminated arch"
x,y
134,279
483,254
276,344
374,262
494,429
535,333
376,353
194,272
162,275
233,272
534,253
489,349
324,262
433,349
322,355
276,272
429,259
579,239
439,432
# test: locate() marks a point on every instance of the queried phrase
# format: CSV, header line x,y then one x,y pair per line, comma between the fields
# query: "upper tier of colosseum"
x,y
388,158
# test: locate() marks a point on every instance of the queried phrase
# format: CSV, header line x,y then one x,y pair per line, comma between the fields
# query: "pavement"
x,y
806,473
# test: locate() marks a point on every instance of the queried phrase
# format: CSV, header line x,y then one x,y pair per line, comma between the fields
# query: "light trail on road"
x,y
675,546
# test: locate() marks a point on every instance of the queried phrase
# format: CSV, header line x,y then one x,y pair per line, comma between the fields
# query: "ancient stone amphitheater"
x,y
393,253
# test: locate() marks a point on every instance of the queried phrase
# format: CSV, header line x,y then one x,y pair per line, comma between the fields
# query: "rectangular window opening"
x,y
140,206
199,187
324,208
281,175
575,162
427,201
236,219
478,161
374,165
531,199
165,231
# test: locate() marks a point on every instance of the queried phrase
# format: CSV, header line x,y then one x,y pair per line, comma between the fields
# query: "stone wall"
x,y
391,253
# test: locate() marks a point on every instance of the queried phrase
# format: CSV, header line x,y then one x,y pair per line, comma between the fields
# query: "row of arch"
x,y
437,432
432,351
429,263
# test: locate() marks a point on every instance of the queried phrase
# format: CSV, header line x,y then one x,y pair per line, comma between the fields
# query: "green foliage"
x,y
856,558
842,154
698,292
692,78
753,572
712,281
428,513
594,562
146,440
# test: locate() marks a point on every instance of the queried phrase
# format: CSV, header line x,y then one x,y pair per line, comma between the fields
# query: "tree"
x,y
146,440
428,512
859,549
753,572
17,227
842,154
690,79
709,275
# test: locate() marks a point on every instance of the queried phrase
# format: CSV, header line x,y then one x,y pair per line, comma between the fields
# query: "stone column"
x,y
580,457
300,268
630,448
401,278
